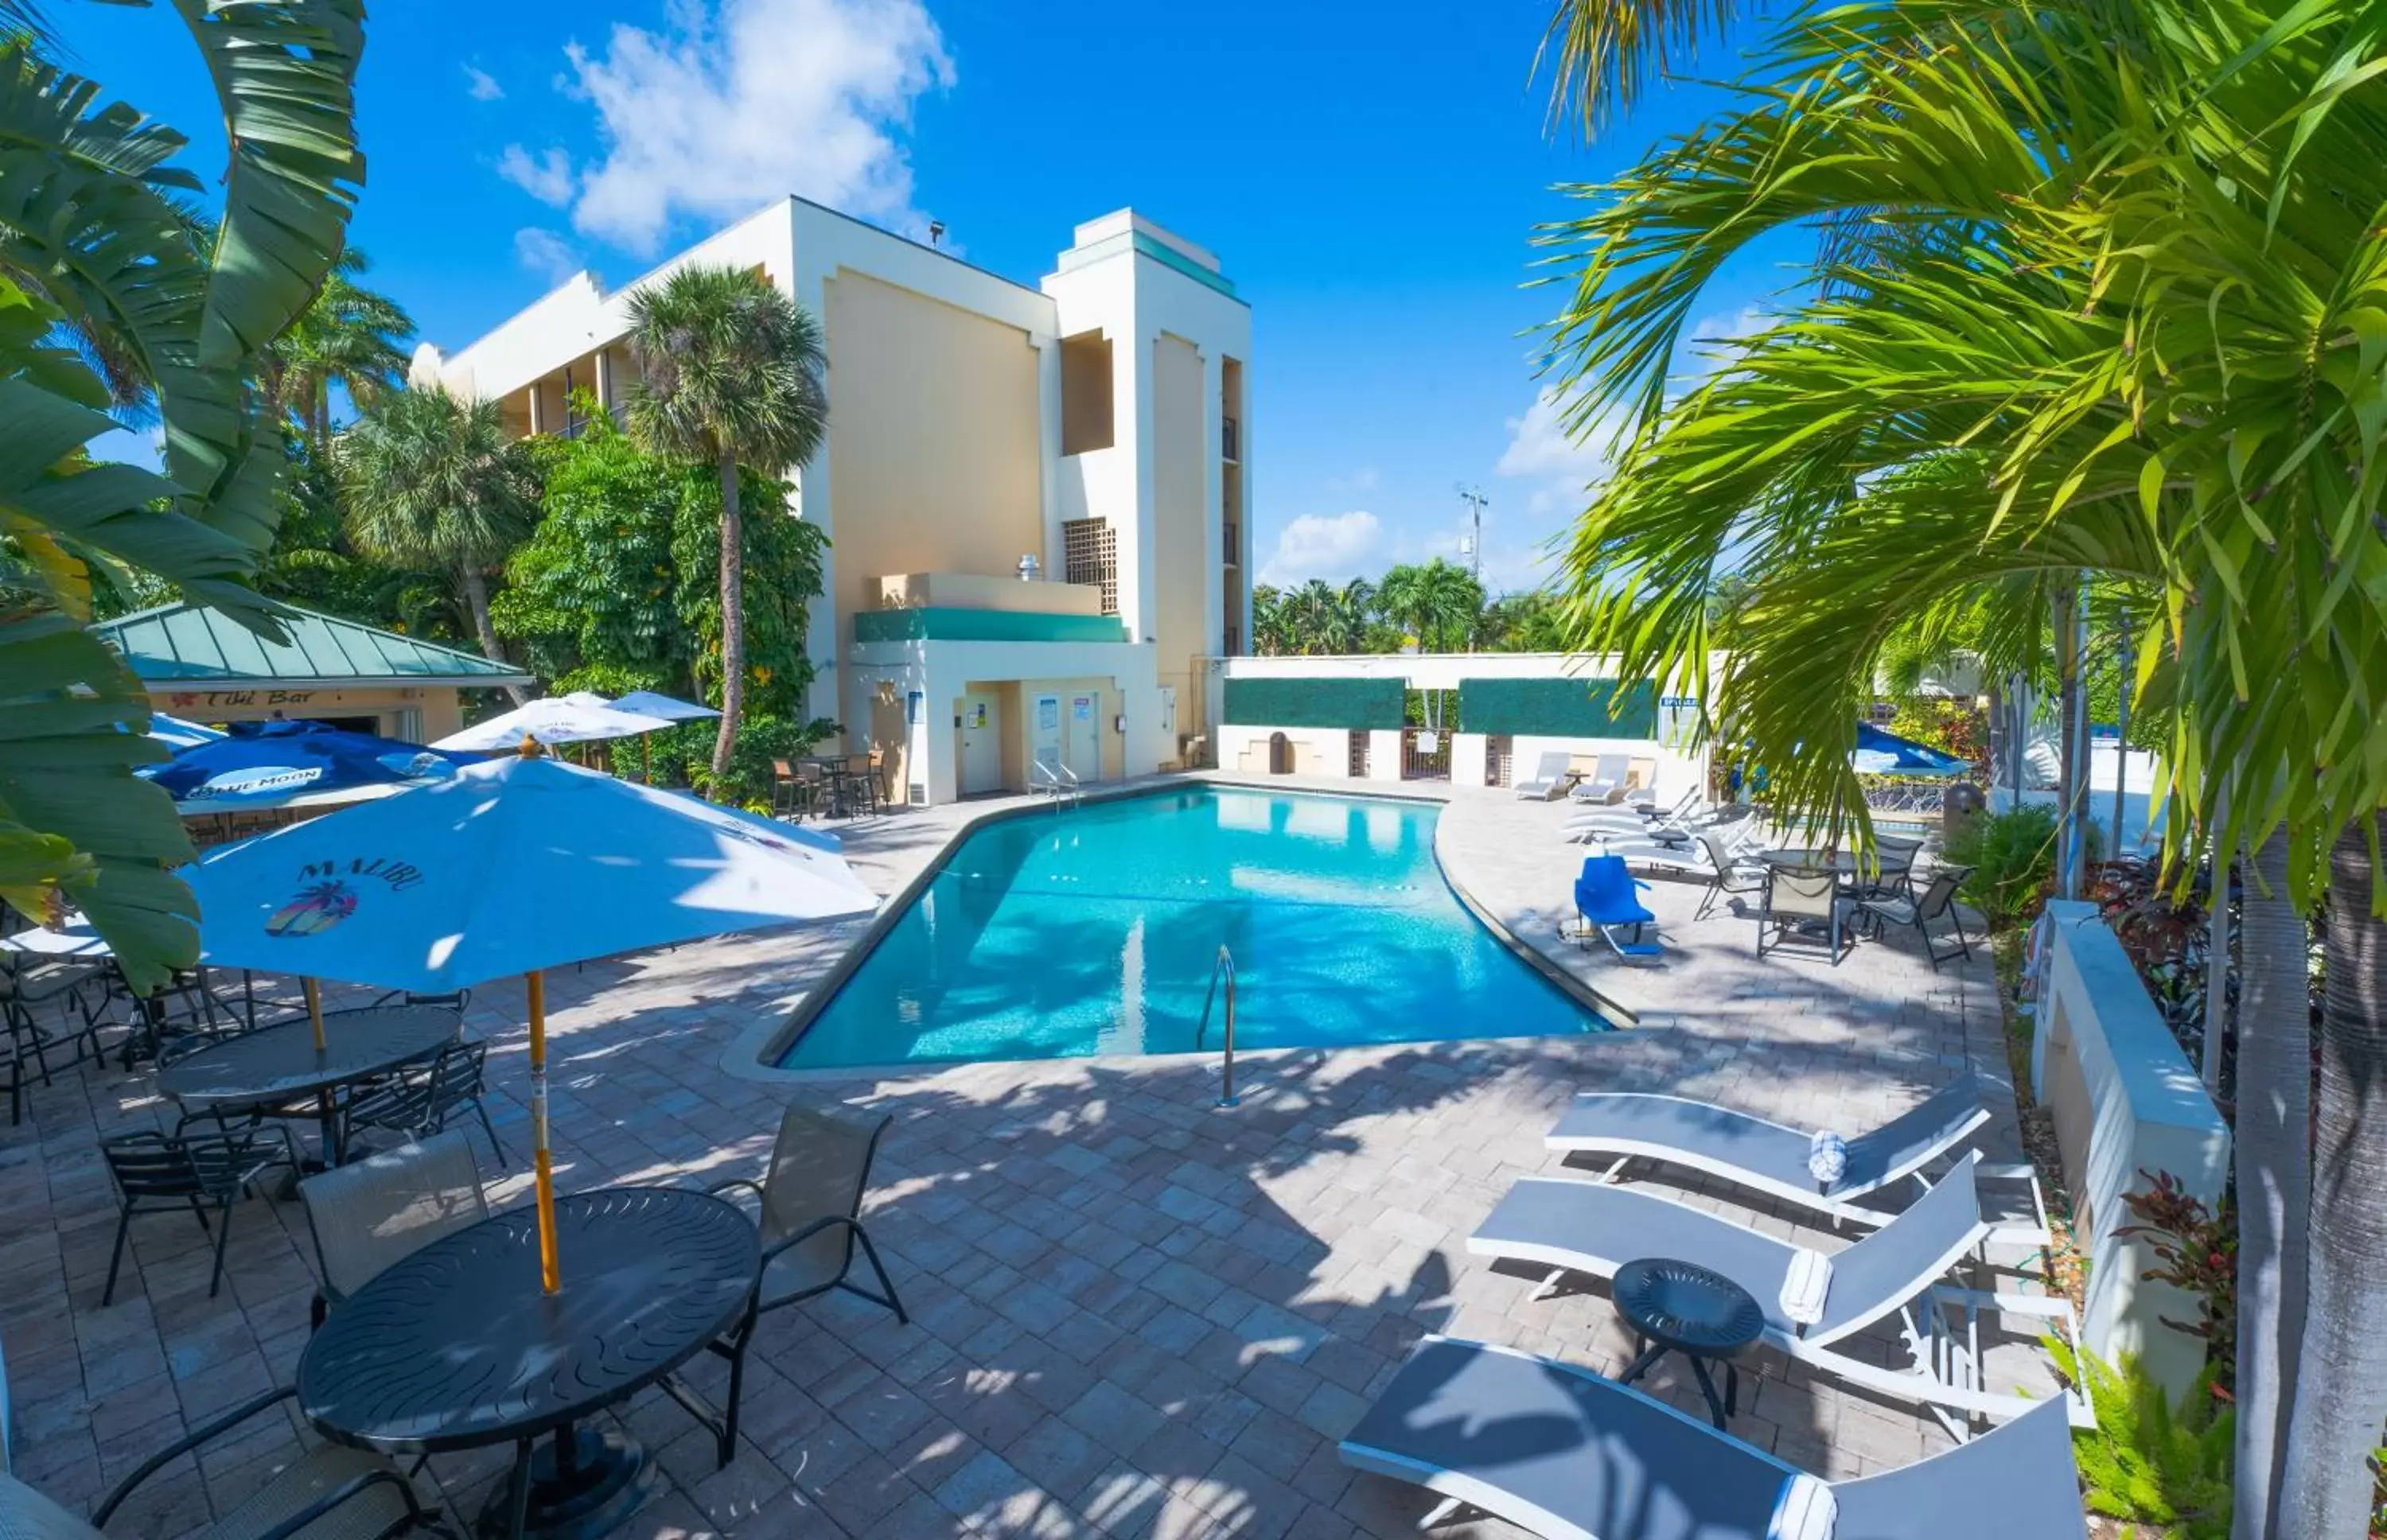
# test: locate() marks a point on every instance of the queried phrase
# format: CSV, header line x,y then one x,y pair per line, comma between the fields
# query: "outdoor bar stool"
x,y
862,770
811,1218
328,1493
193,1170
790,793
385,1207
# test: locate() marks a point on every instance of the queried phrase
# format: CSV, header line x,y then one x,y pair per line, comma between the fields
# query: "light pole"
x,y
1471,545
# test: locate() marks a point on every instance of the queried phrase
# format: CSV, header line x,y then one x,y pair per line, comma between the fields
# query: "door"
x,y
1085,732
981,728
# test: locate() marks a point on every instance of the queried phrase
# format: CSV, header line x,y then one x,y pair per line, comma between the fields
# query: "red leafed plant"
x,y
2199,1249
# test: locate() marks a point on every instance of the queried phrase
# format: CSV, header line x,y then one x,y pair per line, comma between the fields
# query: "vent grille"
x,y
1090,551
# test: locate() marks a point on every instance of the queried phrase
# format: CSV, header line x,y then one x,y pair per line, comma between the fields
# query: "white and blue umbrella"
x,y
555,719
175,733
647,702
514,866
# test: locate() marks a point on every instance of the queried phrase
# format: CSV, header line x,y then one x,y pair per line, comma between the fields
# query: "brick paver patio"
x,y
1135,1314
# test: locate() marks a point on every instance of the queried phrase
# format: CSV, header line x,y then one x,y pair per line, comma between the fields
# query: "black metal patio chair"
x,y
190,1169
1935,902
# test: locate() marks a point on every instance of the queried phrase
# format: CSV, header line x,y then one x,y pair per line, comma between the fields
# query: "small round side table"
x,y
1681,1307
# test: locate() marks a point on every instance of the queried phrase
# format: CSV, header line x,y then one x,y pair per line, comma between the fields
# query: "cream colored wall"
x,y
934,447
964,591
1179,530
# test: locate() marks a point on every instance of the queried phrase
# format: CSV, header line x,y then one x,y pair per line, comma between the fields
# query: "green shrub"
x,y
762,737
2145,1462
2013,858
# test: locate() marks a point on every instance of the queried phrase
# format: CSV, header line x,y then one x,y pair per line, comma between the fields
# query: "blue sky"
x,y
1371,176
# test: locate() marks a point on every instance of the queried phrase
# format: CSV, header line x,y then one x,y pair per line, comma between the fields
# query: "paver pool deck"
x,y
1134,1313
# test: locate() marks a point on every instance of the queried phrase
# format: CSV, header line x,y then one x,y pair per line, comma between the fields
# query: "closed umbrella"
x,y
514,866
556,719
267,764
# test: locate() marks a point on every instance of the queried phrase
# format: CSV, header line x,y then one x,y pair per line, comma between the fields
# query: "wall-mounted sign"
x,y
978,713
183,700
912,702
1082,708
1048,713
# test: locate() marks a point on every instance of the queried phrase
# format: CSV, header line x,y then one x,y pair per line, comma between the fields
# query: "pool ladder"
x,y
1225,966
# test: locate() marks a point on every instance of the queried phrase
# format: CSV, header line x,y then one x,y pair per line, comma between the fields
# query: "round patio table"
x,y
457,1346
1683,1308
279,1065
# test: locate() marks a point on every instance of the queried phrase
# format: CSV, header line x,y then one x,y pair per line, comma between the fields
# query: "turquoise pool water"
x,y
1093,929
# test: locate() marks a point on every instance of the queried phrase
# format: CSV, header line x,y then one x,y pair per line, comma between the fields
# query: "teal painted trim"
x,y
1169,257
933,624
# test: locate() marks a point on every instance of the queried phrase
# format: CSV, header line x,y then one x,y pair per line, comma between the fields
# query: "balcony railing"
x,y
1230,439
1233,542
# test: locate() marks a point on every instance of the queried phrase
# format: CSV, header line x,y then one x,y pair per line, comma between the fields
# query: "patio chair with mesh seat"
x,y
419,1100
329,1492
1935,902
810,1220
189,1170
1732,873
373,1212
1801,904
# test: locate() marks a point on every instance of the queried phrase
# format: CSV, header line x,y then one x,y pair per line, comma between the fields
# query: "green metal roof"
x,y
179,642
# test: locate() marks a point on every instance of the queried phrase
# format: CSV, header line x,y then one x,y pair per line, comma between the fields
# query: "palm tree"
x,y
730,375
2113,250
1271,622
349,337
1437,603
97,246
432,480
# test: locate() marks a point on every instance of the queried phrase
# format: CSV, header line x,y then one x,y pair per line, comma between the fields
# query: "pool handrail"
x,y
1224,963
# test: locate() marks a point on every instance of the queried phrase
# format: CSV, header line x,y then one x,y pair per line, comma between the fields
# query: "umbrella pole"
x,y
551,1269
314,1009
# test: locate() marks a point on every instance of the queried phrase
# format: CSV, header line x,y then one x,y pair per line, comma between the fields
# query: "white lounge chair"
x,y
1550,777
1561,1452
1767,1157
1589,1227
1605,784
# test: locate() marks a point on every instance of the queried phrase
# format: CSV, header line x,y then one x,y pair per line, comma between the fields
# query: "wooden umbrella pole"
x,y
551,1268
314,1009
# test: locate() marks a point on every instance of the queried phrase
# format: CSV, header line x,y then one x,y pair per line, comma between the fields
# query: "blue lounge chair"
x,y
1604,898
1558,1451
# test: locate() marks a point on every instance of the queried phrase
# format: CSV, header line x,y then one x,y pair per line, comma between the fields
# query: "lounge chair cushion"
x,y
1560,1450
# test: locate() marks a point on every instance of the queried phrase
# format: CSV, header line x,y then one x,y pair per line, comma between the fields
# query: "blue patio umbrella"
x,y
264,764
1882,753
177,734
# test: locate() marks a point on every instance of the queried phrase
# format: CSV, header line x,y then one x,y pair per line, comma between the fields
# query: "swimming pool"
x,y
1093,931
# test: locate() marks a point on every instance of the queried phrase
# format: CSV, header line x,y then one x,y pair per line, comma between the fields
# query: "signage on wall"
x,y
1048,713
913,704
1082,708
191,699
978,713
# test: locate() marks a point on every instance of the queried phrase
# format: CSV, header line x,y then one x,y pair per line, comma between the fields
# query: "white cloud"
x,y
1716,341
548,178
1336,547
481,85
546,254
734,102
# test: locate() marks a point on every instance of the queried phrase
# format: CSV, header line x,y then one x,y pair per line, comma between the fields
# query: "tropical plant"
x,y
2099,295
1437,602
2011,860
2197,1249
1530,621
613,591
1271,627
430,479
348,336
730,375
2146,1461
97,245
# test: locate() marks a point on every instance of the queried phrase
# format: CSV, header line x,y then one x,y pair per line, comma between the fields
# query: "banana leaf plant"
x,y
100,246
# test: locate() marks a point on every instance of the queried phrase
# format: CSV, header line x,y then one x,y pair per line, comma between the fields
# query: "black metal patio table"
x,y
279,1066
1683,1308
458,1348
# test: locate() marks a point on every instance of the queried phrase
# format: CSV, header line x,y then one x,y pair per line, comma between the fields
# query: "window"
x,y
1085,393
1089,549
